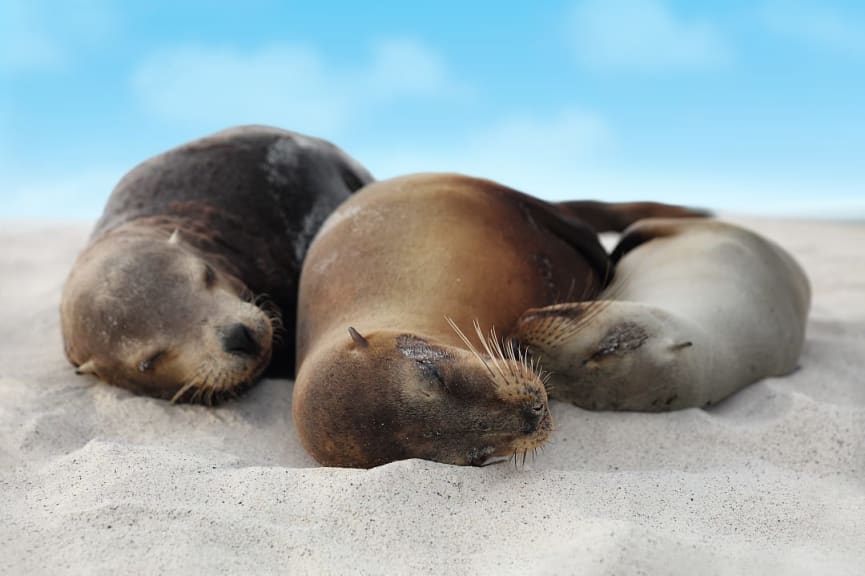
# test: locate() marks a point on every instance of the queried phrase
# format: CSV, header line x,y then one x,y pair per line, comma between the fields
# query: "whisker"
x,y
469,344
501,353
183,390
489,350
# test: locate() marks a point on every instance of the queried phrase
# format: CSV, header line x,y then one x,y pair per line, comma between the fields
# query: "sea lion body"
x,y
394,262
168,295
698,309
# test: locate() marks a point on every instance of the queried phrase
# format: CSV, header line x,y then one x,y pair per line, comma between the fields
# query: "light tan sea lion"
x,y
698,309
382,375
196,260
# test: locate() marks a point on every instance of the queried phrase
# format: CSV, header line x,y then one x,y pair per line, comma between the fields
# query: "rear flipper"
x,y
616,216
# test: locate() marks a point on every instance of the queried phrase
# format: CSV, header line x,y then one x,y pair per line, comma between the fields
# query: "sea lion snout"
x,y
535,417
238,339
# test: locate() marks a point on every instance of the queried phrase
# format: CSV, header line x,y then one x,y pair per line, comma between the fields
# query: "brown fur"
x,y
393,262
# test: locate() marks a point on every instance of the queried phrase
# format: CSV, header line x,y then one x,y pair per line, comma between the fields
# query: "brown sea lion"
x,y
382,374
195,263
698,310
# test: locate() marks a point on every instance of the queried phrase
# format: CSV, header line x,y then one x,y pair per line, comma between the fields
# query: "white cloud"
x,y
402,67
544,155
285,85
572,155
37,35
23,43
539,155
644,36
817,25
569,137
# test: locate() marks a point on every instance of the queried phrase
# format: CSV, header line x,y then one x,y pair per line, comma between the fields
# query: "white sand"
x,y
96,481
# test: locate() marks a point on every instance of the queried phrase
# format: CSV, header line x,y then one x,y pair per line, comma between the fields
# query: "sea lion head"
x,y
368,400
151,314
609,355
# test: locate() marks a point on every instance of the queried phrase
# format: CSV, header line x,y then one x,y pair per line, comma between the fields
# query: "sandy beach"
x,y
95,480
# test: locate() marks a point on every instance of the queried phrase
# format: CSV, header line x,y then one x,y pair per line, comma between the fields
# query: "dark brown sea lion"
x,y
382,374
195,263
698,310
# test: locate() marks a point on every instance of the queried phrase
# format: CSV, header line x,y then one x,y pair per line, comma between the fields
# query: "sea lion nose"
x,y
532,416
237,339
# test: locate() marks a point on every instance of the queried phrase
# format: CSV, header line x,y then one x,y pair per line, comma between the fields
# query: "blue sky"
x,y
754,106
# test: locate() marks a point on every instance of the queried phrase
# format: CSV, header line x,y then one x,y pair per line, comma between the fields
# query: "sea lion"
x,y
195,261
698,310
384,373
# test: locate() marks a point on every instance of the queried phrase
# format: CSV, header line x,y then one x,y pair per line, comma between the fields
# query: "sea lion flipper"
x,y
574,232
617,216
643,231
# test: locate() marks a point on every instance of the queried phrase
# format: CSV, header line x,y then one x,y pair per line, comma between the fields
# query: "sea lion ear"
x,y
88,367
175,237
359,340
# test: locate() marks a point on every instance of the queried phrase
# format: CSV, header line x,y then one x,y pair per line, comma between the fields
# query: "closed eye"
x,y
148,364
430,370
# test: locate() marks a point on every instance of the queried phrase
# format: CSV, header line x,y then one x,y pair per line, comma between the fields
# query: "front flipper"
x,y
574,232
